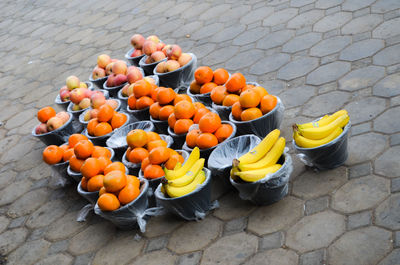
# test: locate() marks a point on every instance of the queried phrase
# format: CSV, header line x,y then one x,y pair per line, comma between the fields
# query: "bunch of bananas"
x,y
261,160
314,134
185,178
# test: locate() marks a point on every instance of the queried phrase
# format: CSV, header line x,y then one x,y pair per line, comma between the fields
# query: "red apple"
x,y
85,103
149,47
124,90
41,128
137,41
153,38
103,60
111,80
88,93
98,73
54,123
120,79
94,113
148,60
134,74
76,107
63,115
119,67
157,56
172,65
160,68
174,52
97,99
77,95
136,53
130,89
64,95
72,82
166,47
184,59
112,102
109,68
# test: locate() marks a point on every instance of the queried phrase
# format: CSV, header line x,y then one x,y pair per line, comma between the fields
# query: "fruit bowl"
x,y
98,82
270,189
133,60
90,196
81,117
139,114
180,77
149,68
58,136
113,91
64,104
161,126
179,139
192,206
263,125
203,98
117,141
327,156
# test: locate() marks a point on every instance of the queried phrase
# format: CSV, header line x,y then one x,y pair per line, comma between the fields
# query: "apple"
x,y
98,73
137,41
64,95
103,60
94,113
134,74
97,99
172,65
153,38
130,89
120,79
63,115
72,82
119,67
160,46
77,95
83,85
166,47
148,60
111,80
174,52
184,59
76,107
136,53
149,47
161,67
54,123
150,80
124,90
85,103
157,56
88,93
86,116
112,102
109,68
41,128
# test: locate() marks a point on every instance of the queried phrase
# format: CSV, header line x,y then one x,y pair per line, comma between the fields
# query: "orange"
x,y
104,162
106,112
223,132
132,102
218,94
102,191
237,111
203,74
128,194
155,110
236,82
83,149
156,143
153,172
209,123
118,120
108,202
84,183
67,154
191,138
172,161
114,166
137,138
154,93
198,105
260,90
206,140
141,88
44,114
95,183
53,154
171,120
152,136
128,151
230,99
180,97
251,114
247,86
268,103
145,163
102,128
114,181
99,151
195,87
144,102
90,168
91,126
75,163
184,110
200,113
132,180
182,126
64,147
159,155
165,95
249,99
207,87
220,76
165,112
75,138
138,154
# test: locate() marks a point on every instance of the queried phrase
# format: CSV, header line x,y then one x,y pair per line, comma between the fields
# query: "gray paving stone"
x,y
313,258
395,186
359,170
46,214
297,96
60,259
162,225
383,6
353,5
300,3
387,29
359,220
395,139
275,39
280,17
59,246
384,122
328,73
269,64
362,78
234,13
297,68
18,222
220,55
29,253
29,202
325,103
316,205
361,128
271,241
83,259
362,246
332,22
362,24
190,259
329,46
305,19
4,222
388,56
361,49
325,4
14,191
235,226
302,42
6,178
365,151
155,258
207,31
232,33
275,256
397,239
248,36
392,259
388,87
244,245
244,59
386,164
156,243
360,194
365,109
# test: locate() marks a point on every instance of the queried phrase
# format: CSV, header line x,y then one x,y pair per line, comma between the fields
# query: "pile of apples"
x,y
67,92
127,90
50,120
147,46
103,67
176,59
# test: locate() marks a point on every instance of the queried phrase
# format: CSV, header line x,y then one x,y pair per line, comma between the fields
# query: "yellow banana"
x,y
261,149
323,121
181,191
189,176
174,174
178,166
269,159
233,171
308,143
324,131
254,175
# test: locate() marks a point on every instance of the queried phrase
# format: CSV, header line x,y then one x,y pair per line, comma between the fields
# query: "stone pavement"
x,y
318,55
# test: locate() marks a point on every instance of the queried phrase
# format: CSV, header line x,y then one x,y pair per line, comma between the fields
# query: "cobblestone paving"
x,y
318,55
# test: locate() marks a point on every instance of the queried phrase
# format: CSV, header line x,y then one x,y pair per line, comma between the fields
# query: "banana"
x,y
178,166
269,159
261,149
233,171
174,192
174,174
324,131
254,175
323,121
308,143
189,176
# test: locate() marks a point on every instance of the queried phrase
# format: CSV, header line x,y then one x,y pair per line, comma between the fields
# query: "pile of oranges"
x,y
165,100
210,133
152,152
107,120
142,94
205,79
127,90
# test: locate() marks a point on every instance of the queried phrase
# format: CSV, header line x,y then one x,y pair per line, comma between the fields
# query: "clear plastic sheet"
x,y
272,188
133,60
327,156
59,177
180,77
56,137
148,68
263,125
84,212
134,213
192,206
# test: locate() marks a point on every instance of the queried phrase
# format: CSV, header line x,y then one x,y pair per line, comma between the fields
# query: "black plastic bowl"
x,y
90,196
133,60
149,68
140,114
98,82
56,137
113,91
